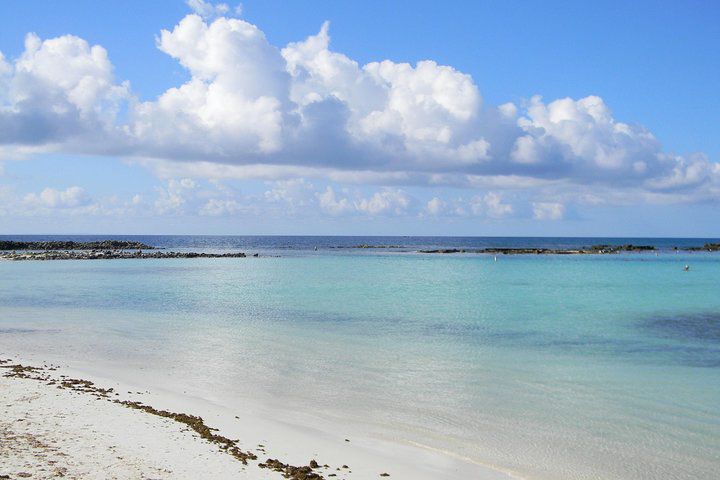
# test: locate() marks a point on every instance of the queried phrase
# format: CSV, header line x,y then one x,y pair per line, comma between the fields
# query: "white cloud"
x,y
232,106
251,109
490,205
59,90
52,198
387,201
582,134
421,112
6,71
295,193
330,203
216,207
70,202
548,210
174,196
435,206
508,110
210,10
692,172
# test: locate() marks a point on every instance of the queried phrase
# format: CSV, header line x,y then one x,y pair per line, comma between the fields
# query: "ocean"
x,y
547,366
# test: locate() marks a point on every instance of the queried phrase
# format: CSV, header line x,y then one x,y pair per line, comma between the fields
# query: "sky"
x,y
559,118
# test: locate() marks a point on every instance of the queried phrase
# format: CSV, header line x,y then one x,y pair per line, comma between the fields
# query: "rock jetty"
x,y
708,247
594,250
70,245
110,255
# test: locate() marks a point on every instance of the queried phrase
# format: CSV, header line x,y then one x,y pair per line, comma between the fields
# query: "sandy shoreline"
x,y
55,427
47,433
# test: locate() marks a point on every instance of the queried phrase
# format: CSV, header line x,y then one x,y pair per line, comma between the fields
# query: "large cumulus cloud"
x,y
253,109
59,91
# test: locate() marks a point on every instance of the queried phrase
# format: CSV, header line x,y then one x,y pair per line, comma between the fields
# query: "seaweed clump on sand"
x,y
196,423
294,473
40,374
22,371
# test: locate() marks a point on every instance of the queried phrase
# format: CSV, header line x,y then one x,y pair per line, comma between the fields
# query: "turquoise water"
x,y
554,367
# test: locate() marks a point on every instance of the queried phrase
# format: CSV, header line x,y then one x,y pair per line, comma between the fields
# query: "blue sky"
x,y
474,118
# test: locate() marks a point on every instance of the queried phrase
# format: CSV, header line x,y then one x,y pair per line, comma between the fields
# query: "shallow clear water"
x,y
553,367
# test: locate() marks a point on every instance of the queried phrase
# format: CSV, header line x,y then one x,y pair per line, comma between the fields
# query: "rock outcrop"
x,y
708,247
70,245
594,250
110,255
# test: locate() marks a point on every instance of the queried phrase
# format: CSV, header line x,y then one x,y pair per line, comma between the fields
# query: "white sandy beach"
x,y
49,432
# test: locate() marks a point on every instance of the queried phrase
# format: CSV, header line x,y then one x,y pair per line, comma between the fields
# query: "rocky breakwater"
x,y
71,245
98,250
708,247
594,250
110,255
365,246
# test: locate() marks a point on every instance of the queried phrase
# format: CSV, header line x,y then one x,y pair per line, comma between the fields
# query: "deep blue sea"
x,y
552,367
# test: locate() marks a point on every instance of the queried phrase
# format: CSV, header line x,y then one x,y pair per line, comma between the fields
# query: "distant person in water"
x,y
687,268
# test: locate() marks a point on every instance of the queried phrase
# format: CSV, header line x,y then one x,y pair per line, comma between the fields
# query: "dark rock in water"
x,y
594,250
70,245
446,250
99,250
621,248
520,251
110,255
708,247
638,248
